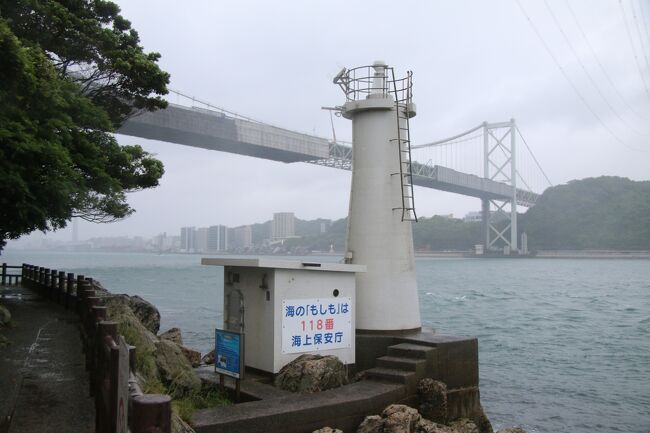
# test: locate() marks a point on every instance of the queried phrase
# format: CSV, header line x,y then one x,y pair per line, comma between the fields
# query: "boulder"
x,y
175,370
433,400
311,373
426,426
118,309
5,316
146,312
399,418
512,430
464,425
371,424
482,422
174,334
193,356
327,430
208,358
4,341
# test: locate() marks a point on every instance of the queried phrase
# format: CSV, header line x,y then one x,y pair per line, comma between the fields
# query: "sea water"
x,y
564,345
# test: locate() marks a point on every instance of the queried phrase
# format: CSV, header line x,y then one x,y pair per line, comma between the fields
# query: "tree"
x,y
70,73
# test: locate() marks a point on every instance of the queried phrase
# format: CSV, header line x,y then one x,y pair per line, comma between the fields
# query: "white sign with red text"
x,y
310,325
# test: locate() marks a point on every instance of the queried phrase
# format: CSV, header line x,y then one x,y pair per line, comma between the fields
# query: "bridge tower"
x,y
381,198
500,164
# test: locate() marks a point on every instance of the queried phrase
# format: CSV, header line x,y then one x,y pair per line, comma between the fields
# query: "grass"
x,y
208,397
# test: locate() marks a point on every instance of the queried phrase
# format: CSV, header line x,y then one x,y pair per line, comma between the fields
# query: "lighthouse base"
x,y
449,359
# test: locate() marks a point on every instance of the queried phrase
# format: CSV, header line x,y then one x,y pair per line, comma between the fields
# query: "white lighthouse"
x,y
381,198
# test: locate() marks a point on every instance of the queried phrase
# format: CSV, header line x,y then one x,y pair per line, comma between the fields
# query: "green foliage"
x,y
441,233
70,72
594,213
209,396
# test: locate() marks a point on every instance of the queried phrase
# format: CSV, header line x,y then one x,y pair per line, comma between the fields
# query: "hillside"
x,y
594,213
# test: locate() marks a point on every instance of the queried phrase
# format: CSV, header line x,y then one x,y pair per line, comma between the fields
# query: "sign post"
x,y
229,356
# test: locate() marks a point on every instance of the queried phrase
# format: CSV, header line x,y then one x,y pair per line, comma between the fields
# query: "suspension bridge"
x,y
486,162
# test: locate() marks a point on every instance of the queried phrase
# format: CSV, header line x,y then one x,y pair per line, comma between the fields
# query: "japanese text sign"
x,y
310,325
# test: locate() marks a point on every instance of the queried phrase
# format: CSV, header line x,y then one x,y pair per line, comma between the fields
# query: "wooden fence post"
x,y
53,284
69,289
4,273
151,413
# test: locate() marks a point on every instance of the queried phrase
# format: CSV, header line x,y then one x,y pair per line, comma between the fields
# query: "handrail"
x,y
147,412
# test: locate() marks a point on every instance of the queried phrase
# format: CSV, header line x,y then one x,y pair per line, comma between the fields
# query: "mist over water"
x,y
564,344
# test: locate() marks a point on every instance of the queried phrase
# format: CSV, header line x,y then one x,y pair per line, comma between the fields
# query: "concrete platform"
x,y
43,384
393,364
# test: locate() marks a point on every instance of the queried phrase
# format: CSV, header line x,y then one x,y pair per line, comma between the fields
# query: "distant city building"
x,y
473,217
283,226
325,226
476,217
217,238
240,238
188,239
201,240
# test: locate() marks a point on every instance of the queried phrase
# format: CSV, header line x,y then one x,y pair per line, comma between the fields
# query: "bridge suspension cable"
x,y
572,84
600,64
533,156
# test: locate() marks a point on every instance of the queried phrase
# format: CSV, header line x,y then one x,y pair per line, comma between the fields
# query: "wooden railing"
x,y
109,371
7,278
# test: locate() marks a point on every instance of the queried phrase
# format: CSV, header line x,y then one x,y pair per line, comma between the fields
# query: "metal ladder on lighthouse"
x,y
403,141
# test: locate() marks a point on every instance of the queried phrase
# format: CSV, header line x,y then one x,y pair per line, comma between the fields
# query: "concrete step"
x,y
416,365
409,350
392,375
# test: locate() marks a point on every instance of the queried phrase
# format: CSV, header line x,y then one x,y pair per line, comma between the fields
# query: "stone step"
x,y
392,375
409,350
416,365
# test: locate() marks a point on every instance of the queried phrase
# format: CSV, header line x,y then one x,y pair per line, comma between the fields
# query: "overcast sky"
x,y
472,61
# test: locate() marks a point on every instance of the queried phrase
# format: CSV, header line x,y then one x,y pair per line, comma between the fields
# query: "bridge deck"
x,y
213,130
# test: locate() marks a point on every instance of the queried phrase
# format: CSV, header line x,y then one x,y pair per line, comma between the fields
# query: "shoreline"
x,y
543,254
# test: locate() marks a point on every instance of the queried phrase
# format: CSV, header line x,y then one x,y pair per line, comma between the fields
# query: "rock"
x,y
433,400
464,425
175,370
5,316
174,334
311,373
193,356
327,430
208,358
512,430
426,426
399,418
146,312
482,422
371,424
119,310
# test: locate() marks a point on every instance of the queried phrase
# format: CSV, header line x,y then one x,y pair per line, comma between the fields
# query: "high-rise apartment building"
x,y
240,238
217,238
201,240
188,239
283,226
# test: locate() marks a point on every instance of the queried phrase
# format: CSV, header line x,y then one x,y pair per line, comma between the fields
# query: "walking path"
x,y
43,384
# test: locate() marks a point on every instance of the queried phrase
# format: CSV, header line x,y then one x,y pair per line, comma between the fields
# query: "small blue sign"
x,y
228,349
